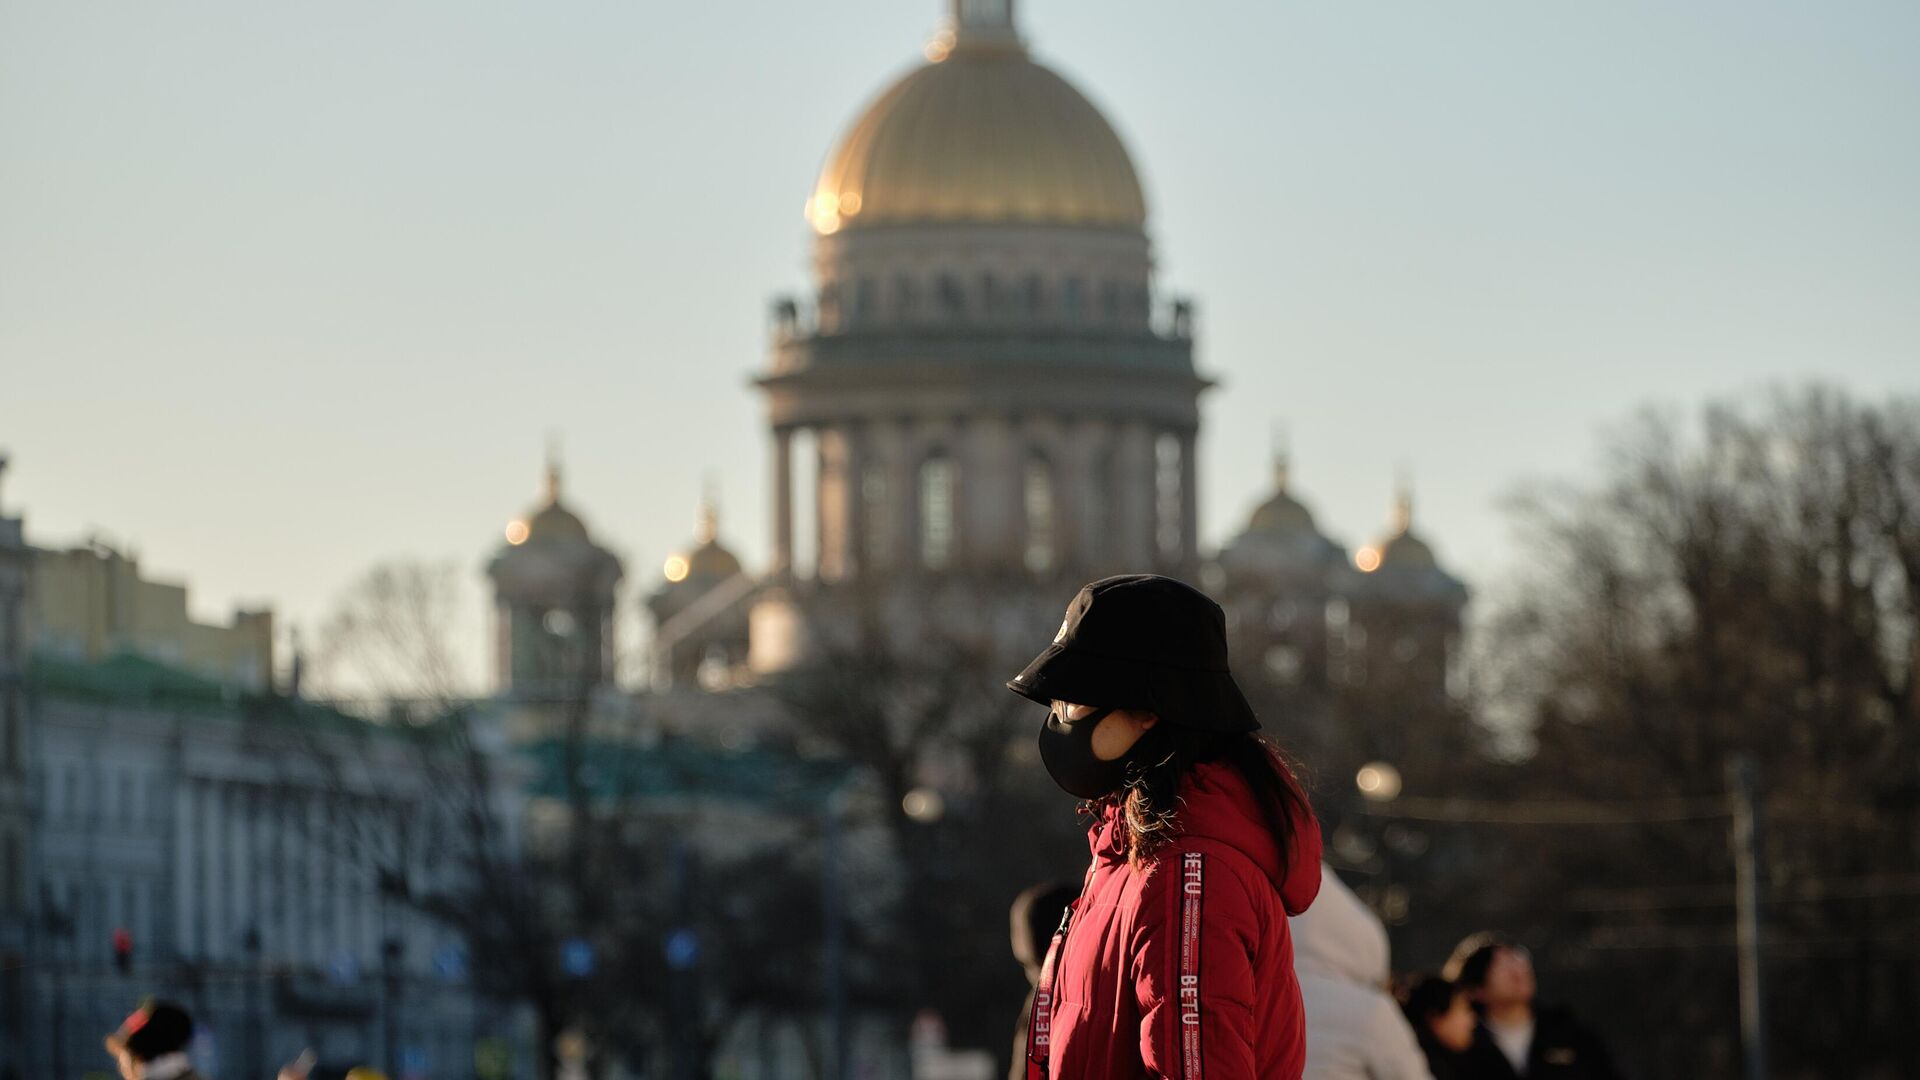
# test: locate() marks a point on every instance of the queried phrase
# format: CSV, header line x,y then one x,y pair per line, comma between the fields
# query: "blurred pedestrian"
x,y
1035,916
1355,1031
1514,1038
151,1043
1176,959
1443,1021
299,1068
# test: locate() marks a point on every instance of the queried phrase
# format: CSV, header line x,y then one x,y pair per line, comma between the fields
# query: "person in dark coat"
x,y
1035,916
1177,957
151,1043
1443,1021
1516,1039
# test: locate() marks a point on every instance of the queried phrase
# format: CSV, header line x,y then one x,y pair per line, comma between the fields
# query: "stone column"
x,y
989,516
834,502
782,502
1075,493
1189,501
1131,543
854,527
186,849
902,463
882,521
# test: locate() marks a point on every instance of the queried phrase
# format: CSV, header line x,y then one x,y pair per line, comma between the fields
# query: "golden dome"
x,y
982,133
556,522
1407,550
551,521
1281,514
709,561
1402,548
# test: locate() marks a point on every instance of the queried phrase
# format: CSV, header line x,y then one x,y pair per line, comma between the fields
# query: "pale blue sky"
x,y
286,289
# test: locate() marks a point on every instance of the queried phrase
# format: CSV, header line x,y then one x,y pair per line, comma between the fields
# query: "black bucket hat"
x,y
1142,641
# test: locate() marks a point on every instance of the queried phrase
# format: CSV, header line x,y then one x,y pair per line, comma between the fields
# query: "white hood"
x,y
1339,938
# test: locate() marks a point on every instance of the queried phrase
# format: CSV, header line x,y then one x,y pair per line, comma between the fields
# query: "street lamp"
x,y
1378,782
924,805
250,945
391,952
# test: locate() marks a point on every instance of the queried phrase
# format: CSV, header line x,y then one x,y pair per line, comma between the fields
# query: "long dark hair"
x,y
1150,799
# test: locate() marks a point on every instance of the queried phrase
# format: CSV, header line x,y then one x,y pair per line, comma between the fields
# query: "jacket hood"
x,y
1216,804
1339,938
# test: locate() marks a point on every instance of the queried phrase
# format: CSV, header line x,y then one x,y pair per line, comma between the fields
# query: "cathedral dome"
x,y
1407,550
551,523
555,522
709,562
1281,514
1401,549
979,134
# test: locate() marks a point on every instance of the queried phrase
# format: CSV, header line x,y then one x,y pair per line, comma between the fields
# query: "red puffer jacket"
x,y
1183,968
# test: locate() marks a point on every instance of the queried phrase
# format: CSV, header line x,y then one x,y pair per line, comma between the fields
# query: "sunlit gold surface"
x,y
1281,513
979,135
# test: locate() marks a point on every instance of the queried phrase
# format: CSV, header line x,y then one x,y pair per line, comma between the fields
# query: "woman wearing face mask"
x,y
1175,961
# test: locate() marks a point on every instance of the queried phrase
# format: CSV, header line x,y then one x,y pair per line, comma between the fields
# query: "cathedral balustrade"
x,y
1083,348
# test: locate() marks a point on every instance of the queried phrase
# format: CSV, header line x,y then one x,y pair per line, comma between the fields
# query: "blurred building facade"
x,y
169,823
1306,617
91,602
16,810
553,590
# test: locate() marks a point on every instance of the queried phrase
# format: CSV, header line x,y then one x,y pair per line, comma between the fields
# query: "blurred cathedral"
x,y
984,402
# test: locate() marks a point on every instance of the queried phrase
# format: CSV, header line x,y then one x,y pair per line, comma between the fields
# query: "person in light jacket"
x,y
1355,1030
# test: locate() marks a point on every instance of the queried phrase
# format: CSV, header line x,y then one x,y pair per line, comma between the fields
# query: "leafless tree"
x,y
927,712
585,848
1748,584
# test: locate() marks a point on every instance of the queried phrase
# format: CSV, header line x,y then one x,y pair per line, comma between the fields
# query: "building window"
x,y
904,299
936,512
1038,492
10,739
827,307
874,517
953,298
1073,300
1169,500
1033,296
1097,539
864,300
12,895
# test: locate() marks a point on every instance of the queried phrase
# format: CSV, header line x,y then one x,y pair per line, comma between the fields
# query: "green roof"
x,y
128,678
681,769
125,678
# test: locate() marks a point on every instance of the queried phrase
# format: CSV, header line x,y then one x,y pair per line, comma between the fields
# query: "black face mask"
x,y
1067,751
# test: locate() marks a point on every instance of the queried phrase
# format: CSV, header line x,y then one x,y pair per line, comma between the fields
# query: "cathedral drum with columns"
x,y
986,402
993,401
